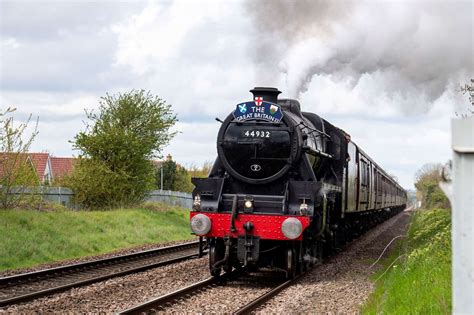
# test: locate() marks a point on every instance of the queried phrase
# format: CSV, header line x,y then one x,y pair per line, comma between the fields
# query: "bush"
x,y
419,282
95,185
427,183
114,167
17,172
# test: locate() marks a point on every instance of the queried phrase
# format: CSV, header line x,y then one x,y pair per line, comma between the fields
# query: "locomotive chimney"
x,y
268,94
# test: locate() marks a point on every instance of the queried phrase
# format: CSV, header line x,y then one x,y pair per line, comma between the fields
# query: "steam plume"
x,y
414,50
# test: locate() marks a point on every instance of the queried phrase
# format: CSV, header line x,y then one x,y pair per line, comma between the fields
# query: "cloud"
x,y
193,54
401,144
38,20
9,43
59,46
48,105
195,144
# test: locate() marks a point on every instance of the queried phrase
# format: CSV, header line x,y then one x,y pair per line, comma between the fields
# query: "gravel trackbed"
x,y
340,285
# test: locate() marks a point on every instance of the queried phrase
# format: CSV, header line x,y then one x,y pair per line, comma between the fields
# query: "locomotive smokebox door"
x,y
248,248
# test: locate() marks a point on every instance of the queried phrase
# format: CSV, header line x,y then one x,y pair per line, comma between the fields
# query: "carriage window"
x,y
363,173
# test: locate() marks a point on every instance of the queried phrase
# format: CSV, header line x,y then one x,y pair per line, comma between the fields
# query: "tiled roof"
x,y
40,160
11,160
62,166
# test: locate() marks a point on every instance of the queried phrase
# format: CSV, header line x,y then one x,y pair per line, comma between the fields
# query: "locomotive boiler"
x,y
286,189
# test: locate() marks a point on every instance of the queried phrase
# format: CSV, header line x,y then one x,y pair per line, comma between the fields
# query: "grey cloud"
x,y
80,61
37,20
48,117
62,46
73,62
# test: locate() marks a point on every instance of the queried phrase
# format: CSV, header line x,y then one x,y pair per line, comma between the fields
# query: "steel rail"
x,y
262,299
155,304
81,269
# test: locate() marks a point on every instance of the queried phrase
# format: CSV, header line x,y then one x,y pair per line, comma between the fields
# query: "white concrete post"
x,y
463,215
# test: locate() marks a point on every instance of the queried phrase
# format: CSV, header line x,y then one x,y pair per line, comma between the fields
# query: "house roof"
x,y
11,160
62,166
59,166
40,161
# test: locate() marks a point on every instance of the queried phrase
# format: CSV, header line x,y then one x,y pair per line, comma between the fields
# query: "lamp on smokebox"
x,y
248,204
304,207
197,203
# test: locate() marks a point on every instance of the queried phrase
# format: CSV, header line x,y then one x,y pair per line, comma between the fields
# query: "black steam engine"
x,y
286,188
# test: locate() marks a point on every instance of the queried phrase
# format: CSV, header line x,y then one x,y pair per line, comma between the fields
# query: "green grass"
x,y
419,282
29,237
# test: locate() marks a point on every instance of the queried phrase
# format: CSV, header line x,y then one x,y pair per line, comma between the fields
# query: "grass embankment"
x,y
29,238
419,282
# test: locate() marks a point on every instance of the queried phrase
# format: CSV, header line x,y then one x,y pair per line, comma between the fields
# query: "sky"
x,y
386,72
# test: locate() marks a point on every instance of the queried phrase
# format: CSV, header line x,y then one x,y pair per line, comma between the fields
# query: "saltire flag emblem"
x,y
273,109
265,111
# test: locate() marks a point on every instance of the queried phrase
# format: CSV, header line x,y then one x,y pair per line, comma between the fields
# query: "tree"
x,y
175,177
427,181
17,173
116,149
202,171
183,180
169,169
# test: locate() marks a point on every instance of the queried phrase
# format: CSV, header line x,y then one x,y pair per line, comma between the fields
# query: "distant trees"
x,y
427,179
202,171
175,176
114,166
16,168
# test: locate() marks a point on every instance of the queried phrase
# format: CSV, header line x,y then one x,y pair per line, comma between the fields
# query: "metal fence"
x,y
65,196
175,198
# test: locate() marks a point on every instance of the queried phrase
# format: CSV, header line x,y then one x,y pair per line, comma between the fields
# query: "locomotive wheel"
x,y
214,256
291,263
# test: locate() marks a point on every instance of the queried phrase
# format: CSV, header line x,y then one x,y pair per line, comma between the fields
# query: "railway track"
x,y
29,286
262,299
165,301
155,305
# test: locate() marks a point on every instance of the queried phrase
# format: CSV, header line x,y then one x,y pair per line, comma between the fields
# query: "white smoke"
x,y
412,51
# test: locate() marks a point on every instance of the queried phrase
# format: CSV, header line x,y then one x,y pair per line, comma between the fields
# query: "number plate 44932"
x,y
256,134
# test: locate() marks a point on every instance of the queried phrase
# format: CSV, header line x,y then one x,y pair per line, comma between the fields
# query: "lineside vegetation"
x,y
34,237
127,132
416,277
16,168
419,282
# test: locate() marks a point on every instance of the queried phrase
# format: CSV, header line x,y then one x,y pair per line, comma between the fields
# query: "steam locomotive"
x,y
286,189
